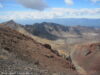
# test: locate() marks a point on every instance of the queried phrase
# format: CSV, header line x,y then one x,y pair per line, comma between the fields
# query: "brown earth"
x,y
19,51
86,58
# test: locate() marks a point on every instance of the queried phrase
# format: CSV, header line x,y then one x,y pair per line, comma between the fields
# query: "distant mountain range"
x,y
54,31
66,21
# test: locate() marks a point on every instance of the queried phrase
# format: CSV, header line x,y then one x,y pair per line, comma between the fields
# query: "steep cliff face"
x,y
21,54
86,58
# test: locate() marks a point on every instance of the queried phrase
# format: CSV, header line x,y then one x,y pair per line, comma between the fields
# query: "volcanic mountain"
x,y
60,37
20,54
18,27
53,31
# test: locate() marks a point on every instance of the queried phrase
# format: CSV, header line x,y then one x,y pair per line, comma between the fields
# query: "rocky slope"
x,y
18,27
60,37
53,31
86,58
20,54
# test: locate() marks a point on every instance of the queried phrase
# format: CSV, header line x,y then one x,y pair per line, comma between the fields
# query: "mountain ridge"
x,y
67,21
60,37
21,53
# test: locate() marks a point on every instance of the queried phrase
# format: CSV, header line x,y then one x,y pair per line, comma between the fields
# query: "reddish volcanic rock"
x,y
86,59
15,46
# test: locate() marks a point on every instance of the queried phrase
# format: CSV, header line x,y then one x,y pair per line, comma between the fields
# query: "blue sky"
x,y
77,4
48,9
12,5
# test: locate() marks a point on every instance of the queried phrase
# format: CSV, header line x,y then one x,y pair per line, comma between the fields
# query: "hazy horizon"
x,y
33,11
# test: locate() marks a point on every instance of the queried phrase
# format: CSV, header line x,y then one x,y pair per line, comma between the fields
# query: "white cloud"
x,y
94,1
52,13
69,2
34,4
